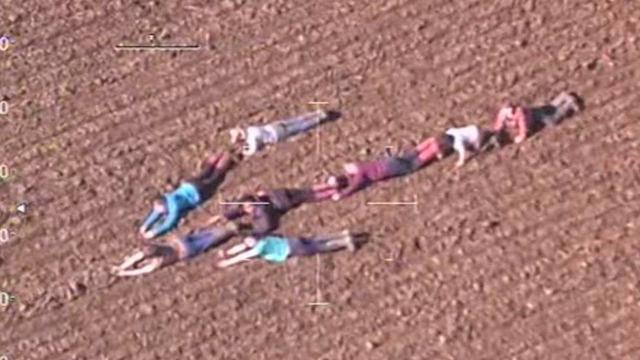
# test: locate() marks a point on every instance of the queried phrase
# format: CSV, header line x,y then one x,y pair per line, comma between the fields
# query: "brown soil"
x,y
530,252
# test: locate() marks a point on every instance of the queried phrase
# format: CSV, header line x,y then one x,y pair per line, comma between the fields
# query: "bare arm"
x,y
238,248
148,268
214,220
355,181
461,148
239,258
521,121
500,119
130,261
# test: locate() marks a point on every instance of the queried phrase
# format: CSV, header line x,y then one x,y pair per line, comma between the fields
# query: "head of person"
x,y
445,142
509,109
351,168
150,250
247,202
250,241
238,135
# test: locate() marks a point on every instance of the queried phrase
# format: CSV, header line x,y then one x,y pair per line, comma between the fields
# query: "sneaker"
x,y
322,115
351,244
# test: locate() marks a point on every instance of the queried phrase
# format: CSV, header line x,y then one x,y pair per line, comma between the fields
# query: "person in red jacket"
x,y
518,122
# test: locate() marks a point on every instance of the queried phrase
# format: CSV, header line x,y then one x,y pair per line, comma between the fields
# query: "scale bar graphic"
x,y
156,47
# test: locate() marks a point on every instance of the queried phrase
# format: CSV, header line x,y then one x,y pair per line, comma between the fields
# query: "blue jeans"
x,y
297,125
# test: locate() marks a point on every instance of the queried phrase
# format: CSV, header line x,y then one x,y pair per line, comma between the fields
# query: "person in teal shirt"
x,y
277,248
168,210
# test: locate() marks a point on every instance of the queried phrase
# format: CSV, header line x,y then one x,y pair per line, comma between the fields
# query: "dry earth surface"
x,y
529,252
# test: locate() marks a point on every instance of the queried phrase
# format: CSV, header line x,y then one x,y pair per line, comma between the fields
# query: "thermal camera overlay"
x,y
288,179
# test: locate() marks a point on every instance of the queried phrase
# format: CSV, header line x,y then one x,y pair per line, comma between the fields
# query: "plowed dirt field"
x,y
528,252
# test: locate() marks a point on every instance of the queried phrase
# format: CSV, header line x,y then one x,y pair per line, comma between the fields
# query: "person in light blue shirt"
x,y
168,210
277,248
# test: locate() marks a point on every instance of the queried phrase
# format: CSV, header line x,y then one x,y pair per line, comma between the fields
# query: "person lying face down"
x,y
517,121
277,249
357,176
265,209
168,210
255,138
154,256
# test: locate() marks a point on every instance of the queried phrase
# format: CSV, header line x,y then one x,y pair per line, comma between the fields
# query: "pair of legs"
x,y
322,244
433,148
213,171
298,124
565,105
318,192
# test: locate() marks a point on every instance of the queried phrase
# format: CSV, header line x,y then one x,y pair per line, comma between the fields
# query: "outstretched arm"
x,y
462,154
521,122
503,115
129,261
236,249
151,219
355,182
148,268
170,221
213,220
239,258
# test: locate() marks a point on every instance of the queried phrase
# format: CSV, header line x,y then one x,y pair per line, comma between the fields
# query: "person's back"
x,y
273,248
257,137
167,212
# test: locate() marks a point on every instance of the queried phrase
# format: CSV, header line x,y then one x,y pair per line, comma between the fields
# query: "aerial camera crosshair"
x,y
318,301
316,105
154,46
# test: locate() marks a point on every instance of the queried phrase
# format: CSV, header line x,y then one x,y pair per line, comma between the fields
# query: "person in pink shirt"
x,y
360,175
518,122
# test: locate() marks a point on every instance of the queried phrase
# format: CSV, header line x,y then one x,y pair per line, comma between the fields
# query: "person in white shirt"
x,y
254,138
468,138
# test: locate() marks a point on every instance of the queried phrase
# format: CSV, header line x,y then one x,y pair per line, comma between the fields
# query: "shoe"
x,y
322,115
350,243
332,181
